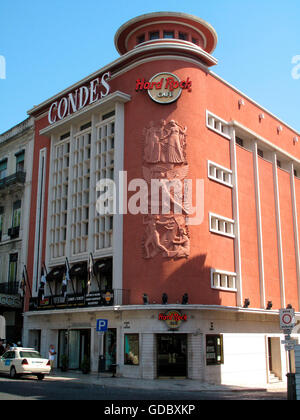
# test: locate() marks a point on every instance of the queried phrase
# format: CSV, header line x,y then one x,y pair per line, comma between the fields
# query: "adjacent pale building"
x,y
16,151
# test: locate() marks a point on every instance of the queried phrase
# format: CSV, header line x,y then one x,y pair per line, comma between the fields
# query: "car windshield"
x,y
30,354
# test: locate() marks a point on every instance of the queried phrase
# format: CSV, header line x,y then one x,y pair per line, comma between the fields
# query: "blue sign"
x,y
102,325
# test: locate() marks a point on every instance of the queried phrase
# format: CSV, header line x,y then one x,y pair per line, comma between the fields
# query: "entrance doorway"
x,y
171,355
75,344
274,354
34,339
110,344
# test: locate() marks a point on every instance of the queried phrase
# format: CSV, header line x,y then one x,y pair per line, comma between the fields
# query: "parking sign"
x,y
102,325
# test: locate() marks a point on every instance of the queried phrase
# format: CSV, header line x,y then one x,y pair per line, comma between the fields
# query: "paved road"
x,y
31,389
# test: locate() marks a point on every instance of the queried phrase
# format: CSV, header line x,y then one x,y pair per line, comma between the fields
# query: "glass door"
x,y
110,341
74,349
172,355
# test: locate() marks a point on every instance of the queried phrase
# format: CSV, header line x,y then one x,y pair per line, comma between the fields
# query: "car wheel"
x,y
40,377
13,373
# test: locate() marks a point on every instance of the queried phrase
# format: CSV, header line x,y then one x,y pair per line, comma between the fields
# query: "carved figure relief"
x,y
166,232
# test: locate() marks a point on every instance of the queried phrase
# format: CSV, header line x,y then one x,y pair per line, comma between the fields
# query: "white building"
x,y
16,150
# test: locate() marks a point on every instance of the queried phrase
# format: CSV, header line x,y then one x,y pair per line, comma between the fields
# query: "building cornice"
x,y
17,130
160,307
107,101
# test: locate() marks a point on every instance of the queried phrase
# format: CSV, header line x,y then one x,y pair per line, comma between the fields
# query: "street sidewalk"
x,y
106,380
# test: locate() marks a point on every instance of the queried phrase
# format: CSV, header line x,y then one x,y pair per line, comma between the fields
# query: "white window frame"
x,y
213,227
217,124
223,276
218,168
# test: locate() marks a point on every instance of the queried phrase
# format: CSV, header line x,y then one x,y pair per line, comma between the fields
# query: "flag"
x,y
22,284
91,273
66,279
43,282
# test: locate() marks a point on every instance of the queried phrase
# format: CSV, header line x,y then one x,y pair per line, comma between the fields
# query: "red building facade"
x,y
160,113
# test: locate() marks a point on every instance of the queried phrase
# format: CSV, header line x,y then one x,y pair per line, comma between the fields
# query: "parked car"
x,y
19,361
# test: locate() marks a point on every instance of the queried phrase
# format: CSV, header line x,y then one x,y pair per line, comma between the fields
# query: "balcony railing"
x,y
11,288
14,179
110,297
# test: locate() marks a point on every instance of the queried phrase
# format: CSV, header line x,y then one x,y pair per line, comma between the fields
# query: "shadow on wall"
x,y
191,276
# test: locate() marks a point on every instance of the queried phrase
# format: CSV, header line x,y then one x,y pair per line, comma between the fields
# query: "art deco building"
x,y
190,290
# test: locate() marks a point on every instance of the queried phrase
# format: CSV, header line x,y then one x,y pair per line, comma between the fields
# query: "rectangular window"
x,y
183,36
131,349
239,142
214,350
3,169
140,39
221,225
16,220
12,270
154,35
195,41
260,153
20,157
223,280
220,174
108,115
65,136
168,34
85,126
217,124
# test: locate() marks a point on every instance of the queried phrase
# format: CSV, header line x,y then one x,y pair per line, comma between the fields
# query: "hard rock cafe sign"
x,y
164,88
173,319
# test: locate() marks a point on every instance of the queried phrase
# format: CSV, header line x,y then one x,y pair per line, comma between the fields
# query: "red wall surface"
x,y
269,233
287,232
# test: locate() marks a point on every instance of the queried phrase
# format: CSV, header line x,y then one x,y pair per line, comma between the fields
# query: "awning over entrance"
x,y
103,266
56,274
79,269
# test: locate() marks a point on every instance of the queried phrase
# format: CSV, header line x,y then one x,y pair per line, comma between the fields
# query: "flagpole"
x,y
23,288
71,279
27,281
99,283
48,282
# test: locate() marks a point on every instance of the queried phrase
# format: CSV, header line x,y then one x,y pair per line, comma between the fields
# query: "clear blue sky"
x,y
50,44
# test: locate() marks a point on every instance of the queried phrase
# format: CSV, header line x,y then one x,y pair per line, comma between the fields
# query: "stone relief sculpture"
x,y
166,233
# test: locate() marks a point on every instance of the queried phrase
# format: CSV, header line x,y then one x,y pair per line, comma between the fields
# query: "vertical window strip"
x,y
104,165
59,206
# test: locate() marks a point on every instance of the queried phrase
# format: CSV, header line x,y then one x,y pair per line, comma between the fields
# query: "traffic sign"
x,y
287,319
102,325
289,347
290,341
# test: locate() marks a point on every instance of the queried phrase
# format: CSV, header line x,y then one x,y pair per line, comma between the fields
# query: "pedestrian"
x,y
2,348
52,354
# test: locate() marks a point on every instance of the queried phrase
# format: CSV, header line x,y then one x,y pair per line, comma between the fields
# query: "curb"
x,y
107,382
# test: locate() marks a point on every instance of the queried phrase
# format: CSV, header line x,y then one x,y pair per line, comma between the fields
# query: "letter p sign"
x,y
102,325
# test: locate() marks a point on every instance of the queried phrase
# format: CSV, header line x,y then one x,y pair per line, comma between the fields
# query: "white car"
x,y
20,361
